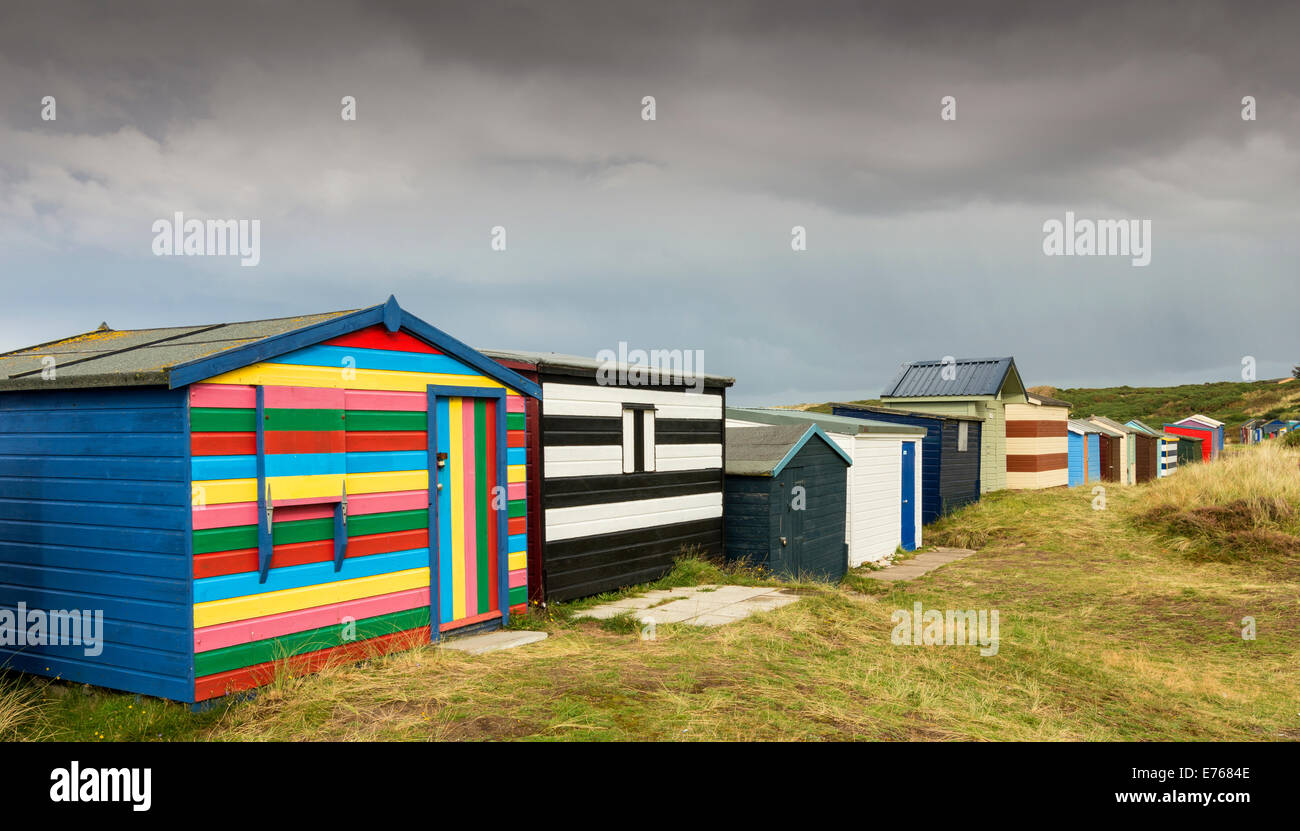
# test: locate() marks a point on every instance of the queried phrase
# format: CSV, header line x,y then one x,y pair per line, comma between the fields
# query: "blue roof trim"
x,y
386,313
813,430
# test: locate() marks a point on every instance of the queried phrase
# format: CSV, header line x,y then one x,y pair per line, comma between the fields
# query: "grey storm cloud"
x,y
924,236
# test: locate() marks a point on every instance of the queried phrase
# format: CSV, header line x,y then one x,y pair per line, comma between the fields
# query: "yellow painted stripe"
x,y
225,491
288,375
291,600
518,560
454,417
515,473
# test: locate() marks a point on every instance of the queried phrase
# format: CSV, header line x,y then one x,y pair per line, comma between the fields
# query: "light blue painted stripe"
x,y
338,357
387,461
207,468
295,577
516,543
516,455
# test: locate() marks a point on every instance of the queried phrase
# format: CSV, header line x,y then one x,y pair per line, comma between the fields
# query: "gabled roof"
x,y
765,451
873,408
1145,430
1110,427
1254,422
587,367
1202,419
970,378
179,356
829,423
1076,425
1045,401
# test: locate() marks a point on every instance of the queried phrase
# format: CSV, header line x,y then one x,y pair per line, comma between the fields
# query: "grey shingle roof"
x,y
829,423
759,451
972,377
580,364
136,357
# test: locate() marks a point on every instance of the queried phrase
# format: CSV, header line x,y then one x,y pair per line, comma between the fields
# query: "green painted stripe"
x,y
519,594
274,649
514,421
517,507
386,420
295,420
239,537
481,503
237,420
222,420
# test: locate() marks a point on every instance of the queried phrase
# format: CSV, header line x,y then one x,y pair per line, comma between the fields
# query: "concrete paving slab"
x,y
696,605
492,641
922,563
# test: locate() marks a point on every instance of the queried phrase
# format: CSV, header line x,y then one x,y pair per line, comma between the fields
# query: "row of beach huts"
x,y
325,487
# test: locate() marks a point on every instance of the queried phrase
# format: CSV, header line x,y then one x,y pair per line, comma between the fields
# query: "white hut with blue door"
x,y
882,507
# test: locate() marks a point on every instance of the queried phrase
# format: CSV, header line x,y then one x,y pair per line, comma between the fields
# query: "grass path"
x,y
1107,633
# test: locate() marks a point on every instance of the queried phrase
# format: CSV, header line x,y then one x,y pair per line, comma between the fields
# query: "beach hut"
x,y
786,487
1084,452
874,499
631,459
1271,429
1215,446
1149,453
974,387
1248,432
1190,448
950,454
1204,435
1166,448
325,487
1037,443
1117,456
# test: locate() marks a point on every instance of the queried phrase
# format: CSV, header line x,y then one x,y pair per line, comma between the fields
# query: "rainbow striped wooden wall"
x,y
348,419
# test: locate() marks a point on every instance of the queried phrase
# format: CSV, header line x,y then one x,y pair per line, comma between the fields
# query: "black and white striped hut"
x,y
632,471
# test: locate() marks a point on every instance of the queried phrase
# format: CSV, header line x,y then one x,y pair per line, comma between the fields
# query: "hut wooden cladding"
x,y
231,495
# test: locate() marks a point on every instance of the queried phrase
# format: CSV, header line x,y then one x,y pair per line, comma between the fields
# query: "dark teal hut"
x,y
785,500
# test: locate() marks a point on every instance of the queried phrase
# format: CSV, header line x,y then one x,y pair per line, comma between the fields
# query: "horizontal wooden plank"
x,y
259,605
273,626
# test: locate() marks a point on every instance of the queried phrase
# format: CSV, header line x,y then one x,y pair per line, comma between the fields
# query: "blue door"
x,y
909,494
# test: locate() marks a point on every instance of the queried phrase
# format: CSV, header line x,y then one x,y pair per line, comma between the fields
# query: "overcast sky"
x,y
924,236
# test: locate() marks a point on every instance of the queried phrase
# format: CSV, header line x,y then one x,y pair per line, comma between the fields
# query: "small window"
x,y
638,438
961,436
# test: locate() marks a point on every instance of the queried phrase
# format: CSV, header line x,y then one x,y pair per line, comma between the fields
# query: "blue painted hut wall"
x,y
95,515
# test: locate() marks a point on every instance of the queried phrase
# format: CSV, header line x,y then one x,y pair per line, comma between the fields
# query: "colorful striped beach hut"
x,y
320,487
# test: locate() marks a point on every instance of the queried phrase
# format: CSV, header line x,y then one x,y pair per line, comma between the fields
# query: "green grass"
x,y
1115,625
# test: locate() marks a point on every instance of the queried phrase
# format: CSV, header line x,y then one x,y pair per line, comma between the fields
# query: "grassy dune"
x,y
1116,624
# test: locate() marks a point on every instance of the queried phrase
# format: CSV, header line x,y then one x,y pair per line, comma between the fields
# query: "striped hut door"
x,y
468,504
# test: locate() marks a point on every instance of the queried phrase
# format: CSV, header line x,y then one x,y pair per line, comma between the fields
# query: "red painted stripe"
x,y
516,525
378,337
514,438
211,686
306,441
468,621
244,560
223,444
387,440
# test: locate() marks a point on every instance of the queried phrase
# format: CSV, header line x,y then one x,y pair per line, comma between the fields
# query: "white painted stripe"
x,y
589,520
582,460
580,400
688,456
629,441
648,440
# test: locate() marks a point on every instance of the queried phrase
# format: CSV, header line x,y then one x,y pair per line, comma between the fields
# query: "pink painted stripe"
x,y
514,403
245,513
411,402
304,398
518,577
516,490
287,623
471,526
222,395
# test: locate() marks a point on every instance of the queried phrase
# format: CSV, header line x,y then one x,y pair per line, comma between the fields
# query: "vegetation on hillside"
x,y
1228,401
